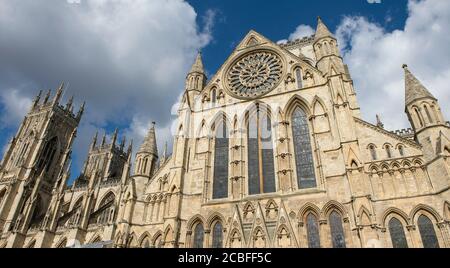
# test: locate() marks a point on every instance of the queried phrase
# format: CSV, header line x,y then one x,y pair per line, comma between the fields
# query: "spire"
x,y
81,111
114,138
322,30
149,144
37,99
69,103
104,139
58,94
414,89
197,67
94,140
122,143
47,96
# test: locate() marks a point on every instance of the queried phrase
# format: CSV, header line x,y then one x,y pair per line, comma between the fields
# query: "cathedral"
x,y
269,152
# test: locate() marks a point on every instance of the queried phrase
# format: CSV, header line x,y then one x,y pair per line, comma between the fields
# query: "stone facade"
x,y
270,152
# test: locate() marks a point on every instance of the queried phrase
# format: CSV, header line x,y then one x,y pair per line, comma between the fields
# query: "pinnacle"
x,y
322,30
197,67
149,145
414,89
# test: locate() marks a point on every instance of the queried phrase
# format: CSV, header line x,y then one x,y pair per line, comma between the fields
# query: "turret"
x,y
329,60
196,79
424,114
147,156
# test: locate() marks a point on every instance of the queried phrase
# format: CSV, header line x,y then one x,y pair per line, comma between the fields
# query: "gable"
x,y
254,42
369,134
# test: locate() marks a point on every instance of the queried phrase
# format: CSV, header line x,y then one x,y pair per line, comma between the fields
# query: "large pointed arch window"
x,y
303,151
397,232
221,152
48,155
427,232
261,174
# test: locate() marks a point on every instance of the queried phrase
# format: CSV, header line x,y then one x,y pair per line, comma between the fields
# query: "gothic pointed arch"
x,y
352,159
249,211
284,237
333,205
302,143
132,241
271,209
394,211
157,241
235,239
260,150
221,132
318,106
422,207
213,217
307,208
446,212
364,216
145,240
168,236
217,231
296,101
259,238
397,233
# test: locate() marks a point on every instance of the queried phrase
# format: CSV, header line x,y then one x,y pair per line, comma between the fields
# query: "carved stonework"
x,y
255,74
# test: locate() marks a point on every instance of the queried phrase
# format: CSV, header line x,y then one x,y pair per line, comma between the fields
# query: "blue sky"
x,y
277,19
128,59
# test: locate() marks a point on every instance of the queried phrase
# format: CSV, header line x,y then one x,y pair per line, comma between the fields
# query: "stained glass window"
x,y
298,74
337,230
198,236
303,150
261,174
220,183
312,228
397,232
217,241
427,232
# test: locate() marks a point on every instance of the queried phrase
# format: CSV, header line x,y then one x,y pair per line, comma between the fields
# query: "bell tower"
x,y
36,162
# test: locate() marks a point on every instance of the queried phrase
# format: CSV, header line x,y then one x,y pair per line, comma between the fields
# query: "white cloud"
x,y
300,32
14,107
375,58
127,59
